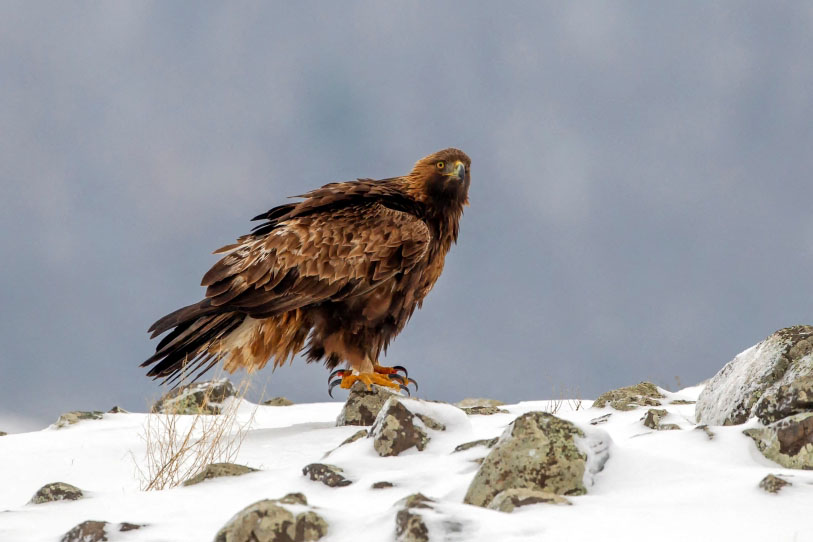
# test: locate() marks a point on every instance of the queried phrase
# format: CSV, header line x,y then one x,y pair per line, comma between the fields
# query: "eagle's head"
x,y
443,177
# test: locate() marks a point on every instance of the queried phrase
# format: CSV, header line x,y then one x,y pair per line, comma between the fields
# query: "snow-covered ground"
x,y
657,485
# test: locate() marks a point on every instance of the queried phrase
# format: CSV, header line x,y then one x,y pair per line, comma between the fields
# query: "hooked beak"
x,y
459,170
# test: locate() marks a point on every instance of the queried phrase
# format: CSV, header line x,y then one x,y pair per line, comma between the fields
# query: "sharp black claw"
x,y
334,373
333,385
401,368
405,389
411,381
398,378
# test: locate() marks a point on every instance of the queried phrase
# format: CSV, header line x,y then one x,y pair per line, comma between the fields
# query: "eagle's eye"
x,y
441,164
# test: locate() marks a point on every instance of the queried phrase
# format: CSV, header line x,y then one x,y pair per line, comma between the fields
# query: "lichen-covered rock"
x,y
330,475
508,500
601,419
56,491
363,405
216,470
470,402
773,484
278,401
198,398
785,400
539,451
3,433
483,410
764,373
409,523
653,420
487,442
76,416
382,485
395,430
268,521
705,428
117,410
96,531
788,441
630,397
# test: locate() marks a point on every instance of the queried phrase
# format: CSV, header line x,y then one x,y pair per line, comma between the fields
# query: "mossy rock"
x,y
217,470
630,397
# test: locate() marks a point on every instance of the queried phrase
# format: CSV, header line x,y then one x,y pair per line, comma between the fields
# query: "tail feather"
x,y
188,348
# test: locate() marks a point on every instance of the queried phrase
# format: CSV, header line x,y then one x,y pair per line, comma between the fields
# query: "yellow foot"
x,y
367,378
396,370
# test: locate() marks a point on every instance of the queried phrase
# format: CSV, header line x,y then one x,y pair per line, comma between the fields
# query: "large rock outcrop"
x,y
541,452
771,379
788,441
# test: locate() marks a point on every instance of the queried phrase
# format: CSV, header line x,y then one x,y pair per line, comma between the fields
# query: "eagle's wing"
x,y
330,254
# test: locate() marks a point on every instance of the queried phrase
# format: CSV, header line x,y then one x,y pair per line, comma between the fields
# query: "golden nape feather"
x,y
336,275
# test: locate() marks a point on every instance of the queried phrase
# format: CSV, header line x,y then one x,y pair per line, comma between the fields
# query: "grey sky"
x,y
641,193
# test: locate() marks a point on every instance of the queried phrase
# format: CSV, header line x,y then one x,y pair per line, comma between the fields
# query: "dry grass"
x,y
180,446
562,397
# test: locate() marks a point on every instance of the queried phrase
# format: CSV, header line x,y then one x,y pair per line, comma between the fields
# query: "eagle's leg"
x,y
368,374
393,373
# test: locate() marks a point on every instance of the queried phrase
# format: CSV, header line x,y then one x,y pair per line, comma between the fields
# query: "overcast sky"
x,y
641,182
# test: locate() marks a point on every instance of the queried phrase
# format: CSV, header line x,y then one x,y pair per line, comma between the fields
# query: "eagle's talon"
x,y
332,385
412,381
337,372
405,389
398,379
401,368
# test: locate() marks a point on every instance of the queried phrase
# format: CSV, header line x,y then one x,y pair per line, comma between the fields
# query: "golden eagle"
x,y
342,270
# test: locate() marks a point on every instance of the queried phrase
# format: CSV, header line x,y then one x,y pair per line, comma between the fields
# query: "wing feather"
x,y
312,258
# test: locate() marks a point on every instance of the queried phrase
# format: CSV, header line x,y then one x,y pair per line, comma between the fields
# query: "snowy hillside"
x,y
679,485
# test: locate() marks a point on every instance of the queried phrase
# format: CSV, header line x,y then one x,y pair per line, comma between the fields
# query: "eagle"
x,y
336,276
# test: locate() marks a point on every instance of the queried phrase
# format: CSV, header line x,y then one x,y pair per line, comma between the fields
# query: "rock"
x,y
484,410
788,441
478,402
409,524
70,418
682,402
395,430
382,485
773,484
488,443
705,428
197,398
216,470
263,521
293,498
56,491
601,419
785,400
3,433
539,451
362,406
508,500
278,401
95,531
309,527
330,475
653,420
431,423
766,373
87,531
117,410
631,397
362,433
267,521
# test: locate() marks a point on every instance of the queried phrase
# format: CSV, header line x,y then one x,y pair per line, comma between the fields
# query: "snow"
x,y
660,485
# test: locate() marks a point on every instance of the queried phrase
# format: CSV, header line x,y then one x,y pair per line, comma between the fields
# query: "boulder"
x,y
382,485
363,405
470,402
508,500
330,475
198,398
773,484
788,441
95,531
771,378
56,491
483,410
3,433
630,397
395,429
487,442
541,452
409,523
653,420
278,401
76,416
268,521
216,470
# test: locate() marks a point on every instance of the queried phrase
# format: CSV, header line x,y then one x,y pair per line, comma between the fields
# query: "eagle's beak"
x,y
459,170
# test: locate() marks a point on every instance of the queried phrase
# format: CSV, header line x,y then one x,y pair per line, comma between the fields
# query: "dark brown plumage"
x,y
342,270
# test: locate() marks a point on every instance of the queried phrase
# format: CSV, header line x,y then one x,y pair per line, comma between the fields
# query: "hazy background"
x,y
640,203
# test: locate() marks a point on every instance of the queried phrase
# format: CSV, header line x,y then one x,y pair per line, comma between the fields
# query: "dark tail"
x,y
185,350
